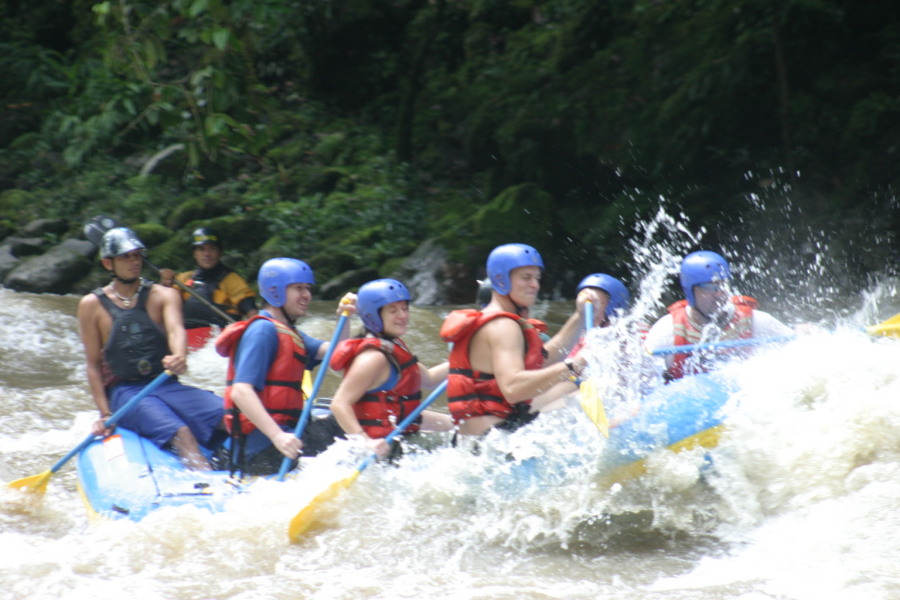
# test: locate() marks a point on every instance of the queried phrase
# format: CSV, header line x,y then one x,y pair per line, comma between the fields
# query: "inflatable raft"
x,y
127,476
198,337
684,414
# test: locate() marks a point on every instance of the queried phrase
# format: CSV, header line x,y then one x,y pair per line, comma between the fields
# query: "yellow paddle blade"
x,y
890,327
36,484
886,329
895,320
306,386
593,406
307,515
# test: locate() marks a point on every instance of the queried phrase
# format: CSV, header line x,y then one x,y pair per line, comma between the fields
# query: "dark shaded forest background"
x,y
347,132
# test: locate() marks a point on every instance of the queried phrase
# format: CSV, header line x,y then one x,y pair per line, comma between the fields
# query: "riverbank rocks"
x,y
346,281
432,278
55,271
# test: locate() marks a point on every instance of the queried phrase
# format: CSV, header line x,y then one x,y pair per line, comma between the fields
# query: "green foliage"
x,y
353,129
152,234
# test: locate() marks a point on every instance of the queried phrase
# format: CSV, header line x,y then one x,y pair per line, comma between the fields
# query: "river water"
x,y
801,502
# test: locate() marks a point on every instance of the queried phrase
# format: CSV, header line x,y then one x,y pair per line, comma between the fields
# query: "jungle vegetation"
x,y
346,132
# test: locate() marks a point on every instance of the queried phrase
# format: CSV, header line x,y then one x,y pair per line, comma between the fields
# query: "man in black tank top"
x,y
131,331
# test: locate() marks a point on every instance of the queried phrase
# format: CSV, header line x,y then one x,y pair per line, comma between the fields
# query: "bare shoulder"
x,y
163,294
502,324
88,304
369,360
500,332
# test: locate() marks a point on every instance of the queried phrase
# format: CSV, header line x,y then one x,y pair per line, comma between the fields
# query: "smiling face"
x,y
525,283
395,318
297,299
207,255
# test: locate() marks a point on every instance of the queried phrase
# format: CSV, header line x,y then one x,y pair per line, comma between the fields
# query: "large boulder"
x,y
346,281
432,278
55,271
40,227
25,246
8,261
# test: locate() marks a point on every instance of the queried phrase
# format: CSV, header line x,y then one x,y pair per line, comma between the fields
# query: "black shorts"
x,y
519,418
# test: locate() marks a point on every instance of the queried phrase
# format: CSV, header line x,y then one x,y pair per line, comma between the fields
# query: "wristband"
x,y
570,365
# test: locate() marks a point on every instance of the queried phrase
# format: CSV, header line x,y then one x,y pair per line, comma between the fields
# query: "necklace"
x,y
126,301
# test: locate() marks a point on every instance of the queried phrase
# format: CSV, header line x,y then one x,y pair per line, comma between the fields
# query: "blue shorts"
x,y
169,408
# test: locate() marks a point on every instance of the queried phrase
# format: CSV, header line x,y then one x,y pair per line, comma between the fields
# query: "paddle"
x,y
891,327
688,348
320,376
589,396
96,227
303,519
38,483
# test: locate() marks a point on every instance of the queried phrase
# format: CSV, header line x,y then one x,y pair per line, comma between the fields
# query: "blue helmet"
x,y
278,273
503,259
374,295
118,241
618,293
704,266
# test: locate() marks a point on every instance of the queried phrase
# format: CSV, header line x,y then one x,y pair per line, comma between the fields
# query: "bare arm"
x,y
173,323
434,376
368,370
91,339
250,405
505,343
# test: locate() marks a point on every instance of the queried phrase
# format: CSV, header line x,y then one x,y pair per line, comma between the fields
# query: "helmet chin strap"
x,y
520,310
291,322
113,274
126,281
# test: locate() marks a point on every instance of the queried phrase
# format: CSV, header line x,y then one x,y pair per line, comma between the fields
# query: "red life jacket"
x,y
688,332
472,393
379,412
282,396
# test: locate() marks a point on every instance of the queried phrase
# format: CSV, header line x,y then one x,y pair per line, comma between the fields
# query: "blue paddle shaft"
x,y
588,315
406,422
688,348
320,376
110,422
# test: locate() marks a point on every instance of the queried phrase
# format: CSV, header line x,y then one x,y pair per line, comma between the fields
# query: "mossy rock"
x,y
13,203
522,213
172,254
7,228
332,263
152,234
391,266
199,208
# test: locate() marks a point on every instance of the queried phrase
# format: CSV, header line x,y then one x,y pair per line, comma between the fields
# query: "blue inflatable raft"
x,y
684,414
127,476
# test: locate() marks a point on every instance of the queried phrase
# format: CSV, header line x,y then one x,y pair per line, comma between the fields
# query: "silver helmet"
x,y
118,241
